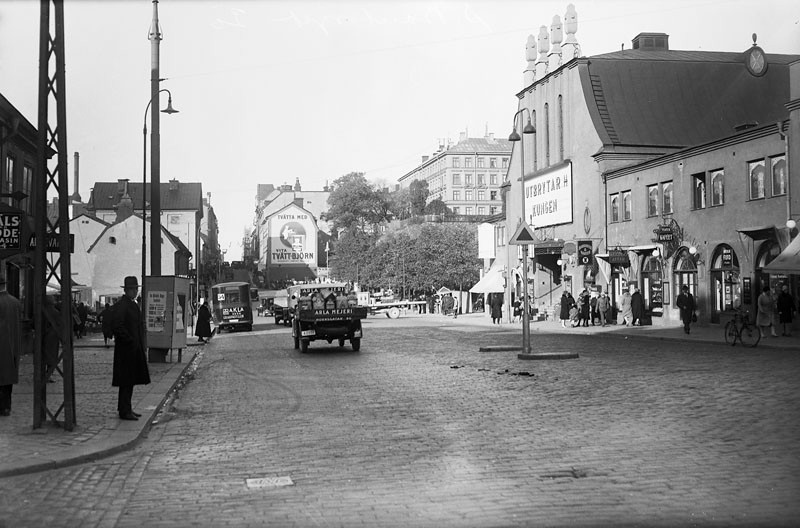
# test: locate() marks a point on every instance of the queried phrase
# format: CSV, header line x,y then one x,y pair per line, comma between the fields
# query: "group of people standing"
x,y
783,305
589,307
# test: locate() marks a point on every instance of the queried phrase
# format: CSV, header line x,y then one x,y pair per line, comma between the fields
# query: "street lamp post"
x,y
526,329
167,110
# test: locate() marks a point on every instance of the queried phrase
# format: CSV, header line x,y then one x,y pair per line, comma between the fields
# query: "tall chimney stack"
x,y
76,195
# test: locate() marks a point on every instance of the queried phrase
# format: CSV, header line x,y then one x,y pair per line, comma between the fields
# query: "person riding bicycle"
x,y
685,302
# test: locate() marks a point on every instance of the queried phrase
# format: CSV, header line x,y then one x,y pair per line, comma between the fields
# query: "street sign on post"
x,y
523,236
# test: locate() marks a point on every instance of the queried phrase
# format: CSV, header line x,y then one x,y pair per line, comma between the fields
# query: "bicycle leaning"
x,y
741,329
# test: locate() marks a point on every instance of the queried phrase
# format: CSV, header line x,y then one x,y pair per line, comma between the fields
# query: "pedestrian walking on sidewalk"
x,y
130,360
202,328
496,306
637,306
765,313
566,305
583,308
786,309
10,345
455,306
603,305
685,302
625,308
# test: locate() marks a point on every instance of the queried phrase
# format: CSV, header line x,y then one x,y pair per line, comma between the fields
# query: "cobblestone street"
x,y
420,428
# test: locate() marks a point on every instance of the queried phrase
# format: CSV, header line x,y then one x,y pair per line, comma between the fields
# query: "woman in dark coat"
x,y
637,307
786,309
566,305
130,360
202,329
583,304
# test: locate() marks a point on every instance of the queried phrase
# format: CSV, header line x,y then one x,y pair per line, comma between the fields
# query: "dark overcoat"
x,y
10,338
130,360
566,304
202,327
496,304
637,306
685,302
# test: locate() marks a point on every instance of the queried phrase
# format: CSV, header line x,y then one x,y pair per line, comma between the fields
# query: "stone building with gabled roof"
x,y
182,209
650,167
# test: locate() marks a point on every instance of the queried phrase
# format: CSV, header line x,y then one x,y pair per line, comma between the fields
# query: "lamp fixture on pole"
x,y
168,110
526,318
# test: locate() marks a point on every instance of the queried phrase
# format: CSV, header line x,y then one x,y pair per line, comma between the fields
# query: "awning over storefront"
x,y
492,282
788,262
644,248
760,233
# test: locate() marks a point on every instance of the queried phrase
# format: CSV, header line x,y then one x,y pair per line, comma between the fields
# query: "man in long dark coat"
x,y
637,306
10,345
130,359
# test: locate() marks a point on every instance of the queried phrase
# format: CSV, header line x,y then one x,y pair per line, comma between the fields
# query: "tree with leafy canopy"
x,y
437,207
355,203
418,196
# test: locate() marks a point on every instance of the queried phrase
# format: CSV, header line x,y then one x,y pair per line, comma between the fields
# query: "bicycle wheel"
x,y
730,333
749,335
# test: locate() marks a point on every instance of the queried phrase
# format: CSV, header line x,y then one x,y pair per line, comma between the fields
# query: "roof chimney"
x,y
76,197
297,185
122,186
651,42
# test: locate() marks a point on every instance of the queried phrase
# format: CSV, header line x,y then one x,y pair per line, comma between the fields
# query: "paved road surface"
x,y
422,429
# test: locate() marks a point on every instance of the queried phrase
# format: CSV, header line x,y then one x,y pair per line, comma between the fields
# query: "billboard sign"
x,y
548,197
292,237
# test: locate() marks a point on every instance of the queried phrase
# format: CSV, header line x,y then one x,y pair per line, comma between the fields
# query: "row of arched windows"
x,y
545,130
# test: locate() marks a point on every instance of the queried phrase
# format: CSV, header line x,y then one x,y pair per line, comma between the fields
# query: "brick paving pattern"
x,y
422,429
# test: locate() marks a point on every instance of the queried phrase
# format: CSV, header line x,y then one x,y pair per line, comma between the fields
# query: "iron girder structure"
x,y
52,267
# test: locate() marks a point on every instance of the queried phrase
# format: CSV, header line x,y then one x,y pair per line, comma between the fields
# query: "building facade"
x,y
639,173
466,176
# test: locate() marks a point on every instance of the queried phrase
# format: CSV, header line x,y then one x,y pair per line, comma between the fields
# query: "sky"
x,y
274,91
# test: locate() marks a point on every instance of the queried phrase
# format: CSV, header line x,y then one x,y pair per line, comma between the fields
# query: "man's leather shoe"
x,y
128,416
136,414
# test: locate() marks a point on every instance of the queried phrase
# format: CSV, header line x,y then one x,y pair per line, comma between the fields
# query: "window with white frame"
x,y
492,163
468,179
493,179
481,179
467,163
481,210
481,195
480,163
456,179
468,194
614,207
456,162
666,198
493,195
505,163
778,166
627,206
456,195
755,171
717,187
652,200
468,211
699,190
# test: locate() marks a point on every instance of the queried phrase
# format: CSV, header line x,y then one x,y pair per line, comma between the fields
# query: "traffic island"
x,y
549,355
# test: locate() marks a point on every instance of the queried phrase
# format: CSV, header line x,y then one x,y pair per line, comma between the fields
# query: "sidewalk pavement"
x,y
700,333
98,432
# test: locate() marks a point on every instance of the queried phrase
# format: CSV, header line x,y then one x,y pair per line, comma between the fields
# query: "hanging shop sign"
x,y
727,257
584,252
670,236
548,197
618,257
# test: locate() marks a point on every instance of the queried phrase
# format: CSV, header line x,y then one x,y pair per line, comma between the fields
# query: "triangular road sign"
x,y
523,236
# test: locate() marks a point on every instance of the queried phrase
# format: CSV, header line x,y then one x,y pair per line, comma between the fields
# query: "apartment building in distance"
x,y
466,176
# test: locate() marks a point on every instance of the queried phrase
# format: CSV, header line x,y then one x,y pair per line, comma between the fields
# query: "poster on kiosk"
x,y
168,312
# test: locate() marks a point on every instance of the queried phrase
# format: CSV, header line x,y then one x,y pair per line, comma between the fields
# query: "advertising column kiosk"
x,y
168,315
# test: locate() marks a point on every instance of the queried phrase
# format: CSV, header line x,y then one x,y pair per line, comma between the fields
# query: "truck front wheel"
x,y
304,345
296,332
393,313
356,343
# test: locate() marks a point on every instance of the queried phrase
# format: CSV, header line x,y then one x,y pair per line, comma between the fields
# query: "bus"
x,y
232,306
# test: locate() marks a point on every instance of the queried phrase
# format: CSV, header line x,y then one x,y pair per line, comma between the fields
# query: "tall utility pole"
x,y
51,175
155,147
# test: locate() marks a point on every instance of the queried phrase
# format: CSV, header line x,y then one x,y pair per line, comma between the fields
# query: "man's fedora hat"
x,y
131,282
